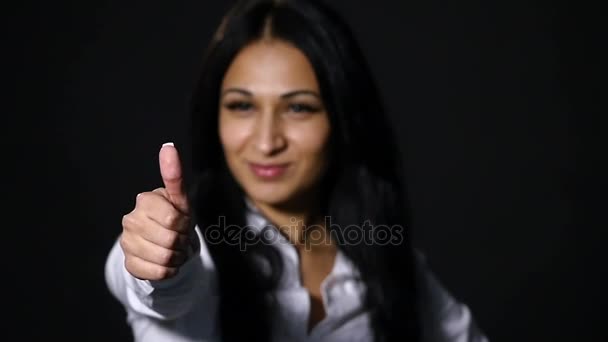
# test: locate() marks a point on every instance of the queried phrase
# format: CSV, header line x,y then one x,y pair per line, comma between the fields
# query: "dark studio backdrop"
x,y
494,104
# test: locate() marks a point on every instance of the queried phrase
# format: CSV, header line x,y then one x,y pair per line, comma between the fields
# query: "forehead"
x,y
271,66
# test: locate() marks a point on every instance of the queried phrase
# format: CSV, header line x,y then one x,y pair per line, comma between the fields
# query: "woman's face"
x,y
272,123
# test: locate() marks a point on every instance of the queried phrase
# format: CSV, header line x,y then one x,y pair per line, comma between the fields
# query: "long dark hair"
x,y
362,182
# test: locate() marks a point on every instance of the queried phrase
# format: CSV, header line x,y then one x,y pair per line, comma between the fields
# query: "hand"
x,y
157,235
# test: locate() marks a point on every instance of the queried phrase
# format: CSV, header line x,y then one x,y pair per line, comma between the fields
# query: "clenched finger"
x,y
159,209
161,236
146,270
141,248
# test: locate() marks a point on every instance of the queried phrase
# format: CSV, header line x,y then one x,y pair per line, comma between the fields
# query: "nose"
x,y
269,137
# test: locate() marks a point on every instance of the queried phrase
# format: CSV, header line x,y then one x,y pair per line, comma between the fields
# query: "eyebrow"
x,y
284,96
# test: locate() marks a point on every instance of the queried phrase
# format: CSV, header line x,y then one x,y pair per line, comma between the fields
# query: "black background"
x,y
495,103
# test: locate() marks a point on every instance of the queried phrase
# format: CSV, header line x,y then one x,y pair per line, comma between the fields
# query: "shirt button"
x,y
349,288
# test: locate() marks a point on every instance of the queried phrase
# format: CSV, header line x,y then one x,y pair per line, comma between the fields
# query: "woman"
x,y
296,227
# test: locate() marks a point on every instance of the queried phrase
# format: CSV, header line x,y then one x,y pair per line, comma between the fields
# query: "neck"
x,y
301,223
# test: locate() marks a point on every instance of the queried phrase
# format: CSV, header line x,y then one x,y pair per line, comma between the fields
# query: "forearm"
x,y
165,299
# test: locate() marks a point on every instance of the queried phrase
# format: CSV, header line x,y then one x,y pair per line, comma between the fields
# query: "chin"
x,y
269,194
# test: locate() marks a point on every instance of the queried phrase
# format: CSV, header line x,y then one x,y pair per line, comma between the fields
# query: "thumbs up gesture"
x,y
157,235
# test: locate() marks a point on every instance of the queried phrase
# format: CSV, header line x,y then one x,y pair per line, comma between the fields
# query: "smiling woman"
x,y
295,159
274,131
273,125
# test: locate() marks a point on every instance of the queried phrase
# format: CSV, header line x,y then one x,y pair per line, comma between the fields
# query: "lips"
x,y
268,171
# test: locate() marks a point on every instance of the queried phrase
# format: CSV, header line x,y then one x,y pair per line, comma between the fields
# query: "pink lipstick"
x,y
270,171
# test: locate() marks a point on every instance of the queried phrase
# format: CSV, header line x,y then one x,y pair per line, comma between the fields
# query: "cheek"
x,y
312,143
233,134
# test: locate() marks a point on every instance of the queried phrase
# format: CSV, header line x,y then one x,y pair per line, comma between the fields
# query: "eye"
x,y
303,108
241,106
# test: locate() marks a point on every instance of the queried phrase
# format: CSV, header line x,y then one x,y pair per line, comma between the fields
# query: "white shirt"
x,y
185,308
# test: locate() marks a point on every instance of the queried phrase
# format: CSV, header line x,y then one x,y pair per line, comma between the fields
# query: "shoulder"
x,y
444,318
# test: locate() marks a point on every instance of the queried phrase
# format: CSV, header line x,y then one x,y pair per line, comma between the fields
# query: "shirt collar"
x,y
343,266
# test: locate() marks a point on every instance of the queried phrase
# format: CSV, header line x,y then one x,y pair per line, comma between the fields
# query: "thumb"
x,y
171,172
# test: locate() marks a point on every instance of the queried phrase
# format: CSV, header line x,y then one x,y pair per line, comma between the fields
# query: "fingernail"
x,y
168,144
